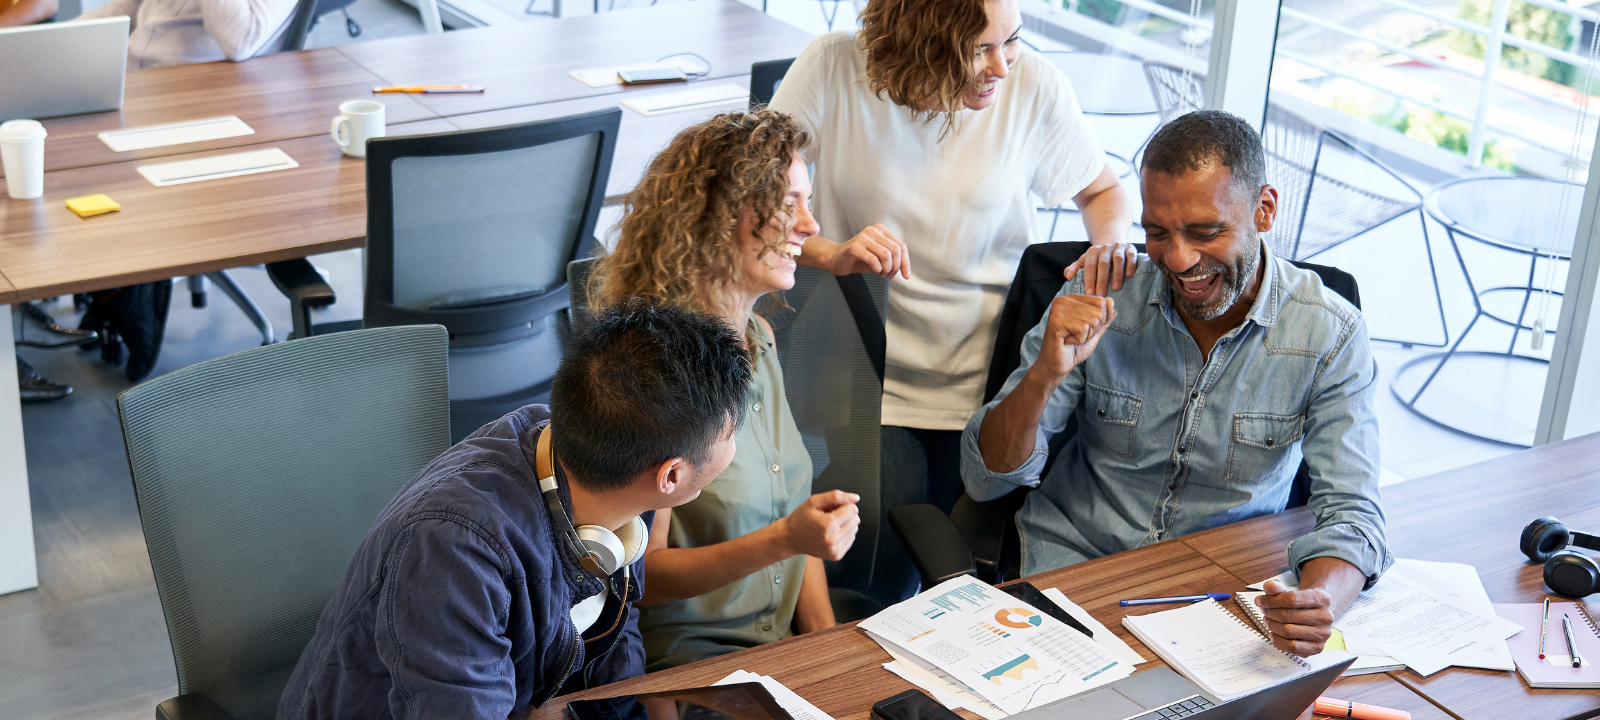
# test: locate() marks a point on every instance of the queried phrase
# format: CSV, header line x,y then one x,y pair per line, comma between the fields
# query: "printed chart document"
x,y
950,692
1407,622
1214,648
1107,639
798,707
1011,654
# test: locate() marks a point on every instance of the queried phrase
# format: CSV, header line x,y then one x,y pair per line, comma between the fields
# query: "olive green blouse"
x,y
769,477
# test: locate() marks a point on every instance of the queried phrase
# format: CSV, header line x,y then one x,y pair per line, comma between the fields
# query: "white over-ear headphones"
x,y
598,549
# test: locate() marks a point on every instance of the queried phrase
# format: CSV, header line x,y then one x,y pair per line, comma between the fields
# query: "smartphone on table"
x,y
912,705
646,76
1029,594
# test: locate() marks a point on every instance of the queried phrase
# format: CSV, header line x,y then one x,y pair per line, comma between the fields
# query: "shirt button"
x,y
776,468
1269,442
1102,413
1182,449
756,407
1173,486
1194,396
777,579
766,627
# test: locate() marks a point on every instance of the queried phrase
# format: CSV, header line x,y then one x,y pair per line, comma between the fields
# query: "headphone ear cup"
x,y
1572,574
604,545
635,536
1542,538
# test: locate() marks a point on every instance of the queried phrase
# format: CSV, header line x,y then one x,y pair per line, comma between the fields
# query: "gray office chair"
x,y
305,17
1316,211
257,475
473,231
765,77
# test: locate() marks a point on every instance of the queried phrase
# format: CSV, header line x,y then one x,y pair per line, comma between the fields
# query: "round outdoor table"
x,y
1514,214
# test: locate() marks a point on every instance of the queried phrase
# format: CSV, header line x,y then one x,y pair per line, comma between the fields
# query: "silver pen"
x,y
1572,642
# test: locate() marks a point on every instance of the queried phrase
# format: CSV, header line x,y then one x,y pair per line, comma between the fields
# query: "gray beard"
x,y
1234,279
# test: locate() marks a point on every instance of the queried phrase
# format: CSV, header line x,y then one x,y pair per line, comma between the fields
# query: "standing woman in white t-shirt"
x,y
935,136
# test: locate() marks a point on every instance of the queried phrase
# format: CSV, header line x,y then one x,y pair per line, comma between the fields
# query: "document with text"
x,y
1411,624
1009,653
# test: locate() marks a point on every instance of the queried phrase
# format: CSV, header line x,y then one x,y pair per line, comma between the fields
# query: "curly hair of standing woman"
x,y
921,53
679,235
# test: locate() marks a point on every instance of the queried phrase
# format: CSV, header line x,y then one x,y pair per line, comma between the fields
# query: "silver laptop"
x,y
1161,694
65,68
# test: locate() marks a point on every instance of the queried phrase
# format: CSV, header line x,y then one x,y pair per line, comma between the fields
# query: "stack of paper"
x,y
1426,616
989,652
797,707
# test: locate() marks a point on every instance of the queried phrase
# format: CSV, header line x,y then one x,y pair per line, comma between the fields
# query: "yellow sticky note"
x,y
91,205
1335,640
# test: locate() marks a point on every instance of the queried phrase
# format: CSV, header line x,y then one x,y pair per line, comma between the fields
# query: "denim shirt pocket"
x,y
1113,414
1261,444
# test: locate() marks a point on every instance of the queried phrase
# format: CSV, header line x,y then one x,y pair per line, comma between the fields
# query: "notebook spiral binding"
x,y
1584,613
1262,629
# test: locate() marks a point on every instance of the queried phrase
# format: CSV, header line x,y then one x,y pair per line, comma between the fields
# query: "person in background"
x,y
26,12
714,226
1198,389
935,132
472,596
175,32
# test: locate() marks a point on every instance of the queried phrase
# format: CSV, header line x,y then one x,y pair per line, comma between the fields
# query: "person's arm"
x,y
243,27
114,8
874,250
27,12
1347,551
1107,209
823,526
440,629
814,611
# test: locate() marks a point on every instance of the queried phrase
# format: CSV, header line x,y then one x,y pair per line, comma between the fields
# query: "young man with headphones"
x,y
505,572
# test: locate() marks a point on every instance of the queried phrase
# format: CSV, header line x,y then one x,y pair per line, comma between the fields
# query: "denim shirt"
x,y
458,602
1169,444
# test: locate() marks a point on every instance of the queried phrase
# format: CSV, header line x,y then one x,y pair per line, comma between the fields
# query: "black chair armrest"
x,y
301,282
936,546
193,706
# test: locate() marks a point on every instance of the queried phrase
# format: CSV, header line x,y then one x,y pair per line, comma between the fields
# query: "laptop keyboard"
x,y
1180,709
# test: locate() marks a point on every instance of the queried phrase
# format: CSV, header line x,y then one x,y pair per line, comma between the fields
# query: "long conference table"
x,y
1470,515
289,99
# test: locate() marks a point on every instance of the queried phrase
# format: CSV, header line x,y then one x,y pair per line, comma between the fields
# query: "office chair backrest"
x,y
765,77
473,231
305,16
578,272
257,474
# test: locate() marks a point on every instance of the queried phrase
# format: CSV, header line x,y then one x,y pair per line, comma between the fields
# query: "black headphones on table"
x,y
1566,572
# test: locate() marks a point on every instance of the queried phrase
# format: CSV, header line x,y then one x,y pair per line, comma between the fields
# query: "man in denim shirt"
x,y
469,597
1198,387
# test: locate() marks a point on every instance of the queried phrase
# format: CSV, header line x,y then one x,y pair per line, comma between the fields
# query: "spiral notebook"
x,y
1365,664
1555,670
1215,649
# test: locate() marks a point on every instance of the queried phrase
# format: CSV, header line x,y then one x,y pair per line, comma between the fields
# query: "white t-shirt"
x,y
965,208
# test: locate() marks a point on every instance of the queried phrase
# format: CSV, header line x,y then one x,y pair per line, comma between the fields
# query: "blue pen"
x,y
1178,599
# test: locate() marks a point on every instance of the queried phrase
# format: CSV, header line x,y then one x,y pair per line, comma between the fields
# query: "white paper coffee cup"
x,y
22,151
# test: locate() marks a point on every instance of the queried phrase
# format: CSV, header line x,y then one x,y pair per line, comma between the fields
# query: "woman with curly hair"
x,y
933,122
714,226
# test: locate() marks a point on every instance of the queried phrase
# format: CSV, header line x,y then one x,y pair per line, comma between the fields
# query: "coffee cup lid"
x,y
16,131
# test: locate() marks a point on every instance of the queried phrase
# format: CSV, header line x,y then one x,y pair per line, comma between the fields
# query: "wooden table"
x,y
1473,514
289,100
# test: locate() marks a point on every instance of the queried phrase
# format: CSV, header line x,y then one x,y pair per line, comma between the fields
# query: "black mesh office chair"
x,y
765,77
473,231
257,475
981,538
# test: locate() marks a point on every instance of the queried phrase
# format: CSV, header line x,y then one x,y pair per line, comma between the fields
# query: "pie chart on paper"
x,y
1018,618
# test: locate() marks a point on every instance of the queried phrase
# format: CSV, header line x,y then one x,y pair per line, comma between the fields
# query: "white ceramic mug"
x,y
358,122
22,152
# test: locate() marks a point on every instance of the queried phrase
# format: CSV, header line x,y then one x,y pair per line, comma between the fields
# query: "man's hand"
x,y
875,250
1104,265
824,525
1301,620
1073,330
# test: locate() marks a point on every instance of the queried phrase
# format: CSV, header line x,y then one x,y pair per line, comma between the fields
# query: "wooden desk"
x,y
841,671
1473,515
527,64
282,96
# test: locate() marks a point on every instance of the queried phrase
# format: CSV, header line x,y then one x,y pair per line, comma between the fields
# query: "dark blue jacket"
x,y
458,602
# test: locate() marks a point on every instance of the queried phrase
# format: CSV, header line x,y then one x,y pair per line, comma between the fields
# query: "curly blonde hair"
x,y
679,243
920,52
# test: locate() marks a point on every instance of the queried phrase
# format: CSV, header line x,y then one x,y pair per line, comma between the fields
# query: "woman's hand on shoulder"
x,y
874,250
1104,267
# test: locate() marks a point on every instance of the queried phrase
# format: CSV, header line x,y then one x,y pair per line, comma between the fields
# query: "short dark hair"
x,y
642,384
1207,136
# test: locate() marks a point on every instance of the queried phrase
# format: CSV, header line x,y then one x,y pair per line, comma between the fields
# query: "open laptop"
x,y
1162,694
63,68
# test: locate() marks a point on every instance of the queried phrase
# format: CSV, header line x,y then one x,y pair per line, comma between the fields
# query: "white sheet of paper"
x,y
1413,625
1106,639
601,77
949,691
1459,583
689,98
798,707
217,167
1013,655
149,136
